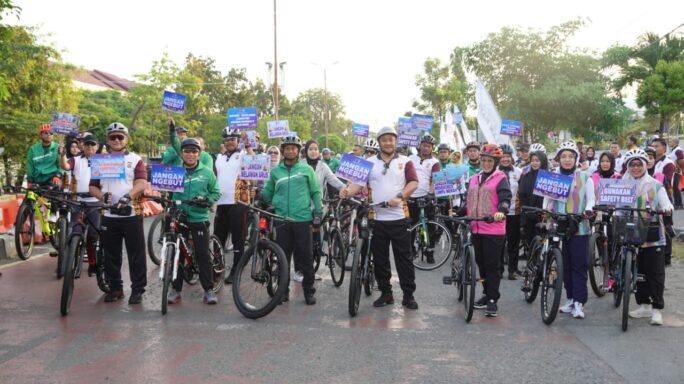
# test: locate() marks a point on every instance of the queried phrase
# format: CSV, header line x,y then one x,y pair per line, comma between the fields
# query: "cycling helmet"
x,y
117,128
386,131
636,154
568,146
191,142
523,147
536,147
44,128
492,150
181,129
291,140
372,144
325,150
506,149
473,144
228,133
650,151
443,147
427,138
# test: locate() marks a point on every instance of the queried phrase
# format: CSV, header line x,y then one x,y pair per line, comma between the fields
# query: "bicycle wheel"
x,y
256,274
168,253
252,228
316,250
369,281
440,251
73,256
102,281
532,274
551,284
155,238
24,231
218,263
617,284
597,267
356,278
626,287
469,282
336,257
61,236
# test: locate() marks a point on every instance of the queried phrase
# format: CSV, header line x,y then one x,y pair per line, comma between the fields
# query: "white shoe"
x,y
568,306
298,277
578,311
52,218
318,277
657,318
230,248
644,310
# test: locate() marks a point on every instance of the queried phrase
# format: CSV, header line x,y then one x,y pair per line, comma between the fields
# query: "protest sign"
x,y
511,127
173,102
255,167
65,123
423,122
408,133
443,186
278,129
354,169
617,192
252,137
167,178
242,118
107,166
552,185
360,130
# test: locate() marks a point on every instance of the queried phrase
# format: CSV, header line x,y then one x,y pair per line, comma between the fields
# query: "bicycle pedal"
x,y
447,280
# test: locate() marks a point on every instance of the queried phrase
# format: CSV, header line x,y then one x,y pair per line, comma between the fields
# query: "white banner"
x,y
487,116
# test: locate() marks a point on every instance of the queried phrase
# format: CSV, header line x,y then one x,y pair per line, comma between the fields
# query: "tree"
x,y
440,89
310,104
662,92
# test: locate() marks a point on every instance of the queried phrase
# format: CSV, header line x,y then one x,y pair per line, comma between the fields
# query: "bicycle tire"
x,y
369,281
24,231
274,268
552,269
73,256
100,276
597,268
617,285
355,280
626,287
218,263
167,274
61,236
531,276
441,250
316,248
336,257
469,282
155,238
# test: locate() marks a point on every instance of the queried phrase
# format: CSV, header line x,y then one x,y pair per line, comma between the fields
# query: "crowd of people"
x,y
500,180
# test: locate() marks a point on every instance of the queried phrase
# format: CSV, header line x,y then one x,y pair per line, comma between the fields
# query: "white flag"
x,y
487,116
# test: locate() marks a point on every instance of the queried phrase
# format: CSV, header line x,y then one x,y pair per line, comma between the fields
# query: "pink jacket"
x,y
483,201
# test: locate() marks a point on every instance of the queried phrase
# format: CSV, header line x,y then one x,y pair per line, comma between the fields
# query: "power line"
x,y
659,40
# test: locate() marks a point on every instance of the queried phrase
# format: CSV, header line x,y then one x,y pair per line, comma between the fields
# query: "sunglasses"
x,y
384,171
230,139
273,153
116,137
636,165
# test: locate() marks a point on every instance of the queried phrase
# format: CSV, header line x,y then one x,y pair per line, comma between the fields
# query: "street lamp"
x,y
326,109
275,85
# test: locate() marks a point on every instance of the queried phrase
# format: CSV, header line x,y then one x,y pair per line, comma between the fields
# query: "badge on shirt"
x,y
400,166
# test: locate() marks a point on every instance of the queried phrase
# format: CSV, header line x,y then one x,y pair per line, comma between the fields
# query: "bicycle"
x,y
332,245
600,255
177,253
261,276
24,225
431,240
532,250
550,275
463,264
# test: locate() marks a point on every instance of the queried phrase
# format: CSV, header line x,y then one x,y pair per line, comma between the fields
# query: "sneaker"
x,y
384,299
568,306
230,248
297,276
512,276
309,298
644,311
430,258
92,270
492,309
136,298
318,277
54,253
578,311
85,258
113,296
210,297
230,277
481,304
52,218
657,318
173,297
409,302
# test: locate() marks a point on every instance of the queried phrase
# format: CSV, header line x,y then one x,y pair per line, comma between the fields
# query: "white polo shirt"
x,y
227,176
383,187
424,169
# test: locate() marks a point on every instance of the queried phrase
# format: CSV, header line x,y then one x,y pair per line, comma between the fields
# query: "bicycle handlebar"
x,y
465,220
554,215
267,213
607,208
175,202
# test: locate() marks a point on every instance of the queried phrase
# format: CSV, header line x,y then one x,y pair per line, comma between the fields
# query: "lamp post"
x,y
275,84
326,107
275,61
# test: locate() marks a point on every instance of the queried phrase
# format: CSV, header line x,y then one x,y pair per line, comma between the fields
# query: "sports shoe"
x,y
430,257
578,311
112,296
297,276
318,277
409,302
657,318
230,277
644,311
92,270
568,306
173,297
492,309
481,303
135,298
512,276
384,299
210,297
309,298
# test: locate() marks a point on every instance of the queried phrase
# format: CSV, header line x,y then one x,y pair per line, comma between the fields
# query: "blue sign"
x,y
354,169
423,122
167,178
173,102
404,123
278,128
253,141
511,127
443,186
455,172
255,167
552,185
360,130
617,192
65,123
242,118
107,166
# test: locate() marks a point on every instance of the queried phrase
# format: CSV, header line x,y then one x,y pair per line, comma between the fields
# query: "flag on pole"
x,y
487,116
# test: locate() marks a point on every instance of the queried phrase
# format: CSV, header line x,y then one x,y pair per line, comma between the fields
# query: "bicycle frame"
x,y
36,199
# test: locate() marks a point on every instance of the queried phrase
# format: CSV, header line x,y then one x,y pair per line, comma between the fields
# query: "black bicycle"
x,y
600,253
332,244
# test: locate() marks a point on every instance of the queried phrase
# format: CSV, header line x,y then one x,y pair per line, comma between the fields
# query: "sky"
x,y
379,45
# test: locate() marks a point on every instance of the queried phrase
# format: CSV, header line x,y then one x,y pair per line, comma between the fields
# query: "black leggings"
x,y
200,237
231,218
488,250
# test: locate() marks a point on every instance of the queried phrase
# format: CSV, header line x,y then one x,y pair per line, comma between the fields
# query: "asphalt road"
x,y
116,343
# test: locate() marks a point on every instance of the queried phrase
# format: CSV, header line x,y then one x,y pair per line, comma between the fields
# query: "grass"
x,y
678,250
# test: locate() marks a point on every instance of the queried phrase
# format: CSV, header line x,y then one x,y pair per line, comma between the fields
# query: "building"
x,y
97,80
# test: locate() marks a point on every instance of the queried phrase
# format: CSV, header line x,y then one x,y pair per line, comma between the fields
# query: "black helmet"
x,y
473,144
427,138
443,146
291,140
507,149
191,142
522,147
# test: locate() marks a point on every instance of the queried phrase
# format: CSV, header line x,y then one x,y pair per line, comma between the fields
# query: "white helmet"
x,y
636,154
117,128
385,131
228,132
537,147
371,144
568,145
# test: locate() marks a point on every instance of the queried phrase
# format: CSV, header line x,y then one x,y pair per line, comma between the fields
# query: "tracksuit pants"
x,y
651,264
512,241
116,230
231,218
395,233
200,239
295,239
575,267
488,250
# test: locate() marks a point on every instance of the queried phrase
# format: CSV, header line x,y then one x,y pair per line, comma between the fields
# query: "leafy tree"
x,y
440,88
662,92
310,104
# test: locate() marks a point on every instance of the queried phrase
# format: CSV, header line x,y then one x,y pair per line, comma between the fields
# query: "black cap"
x,y
89,138
181,129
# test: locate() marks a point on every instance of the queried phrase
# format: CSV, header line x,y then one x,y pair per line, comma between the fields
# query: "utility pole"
x,y
275,62
326,107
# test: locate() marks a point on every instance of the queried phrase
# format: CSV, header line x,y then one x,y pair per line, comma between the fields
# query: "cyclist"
x,y
580,201
523,150
650,193
393,179
489,195
293,189
357,150
231,216
42,160
171,156
205,158
664,165
513,175
425,164
330,160
443,153
456,157
372,147
473,153
125,222
534,147
591,163
605,170
202,189
615,151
